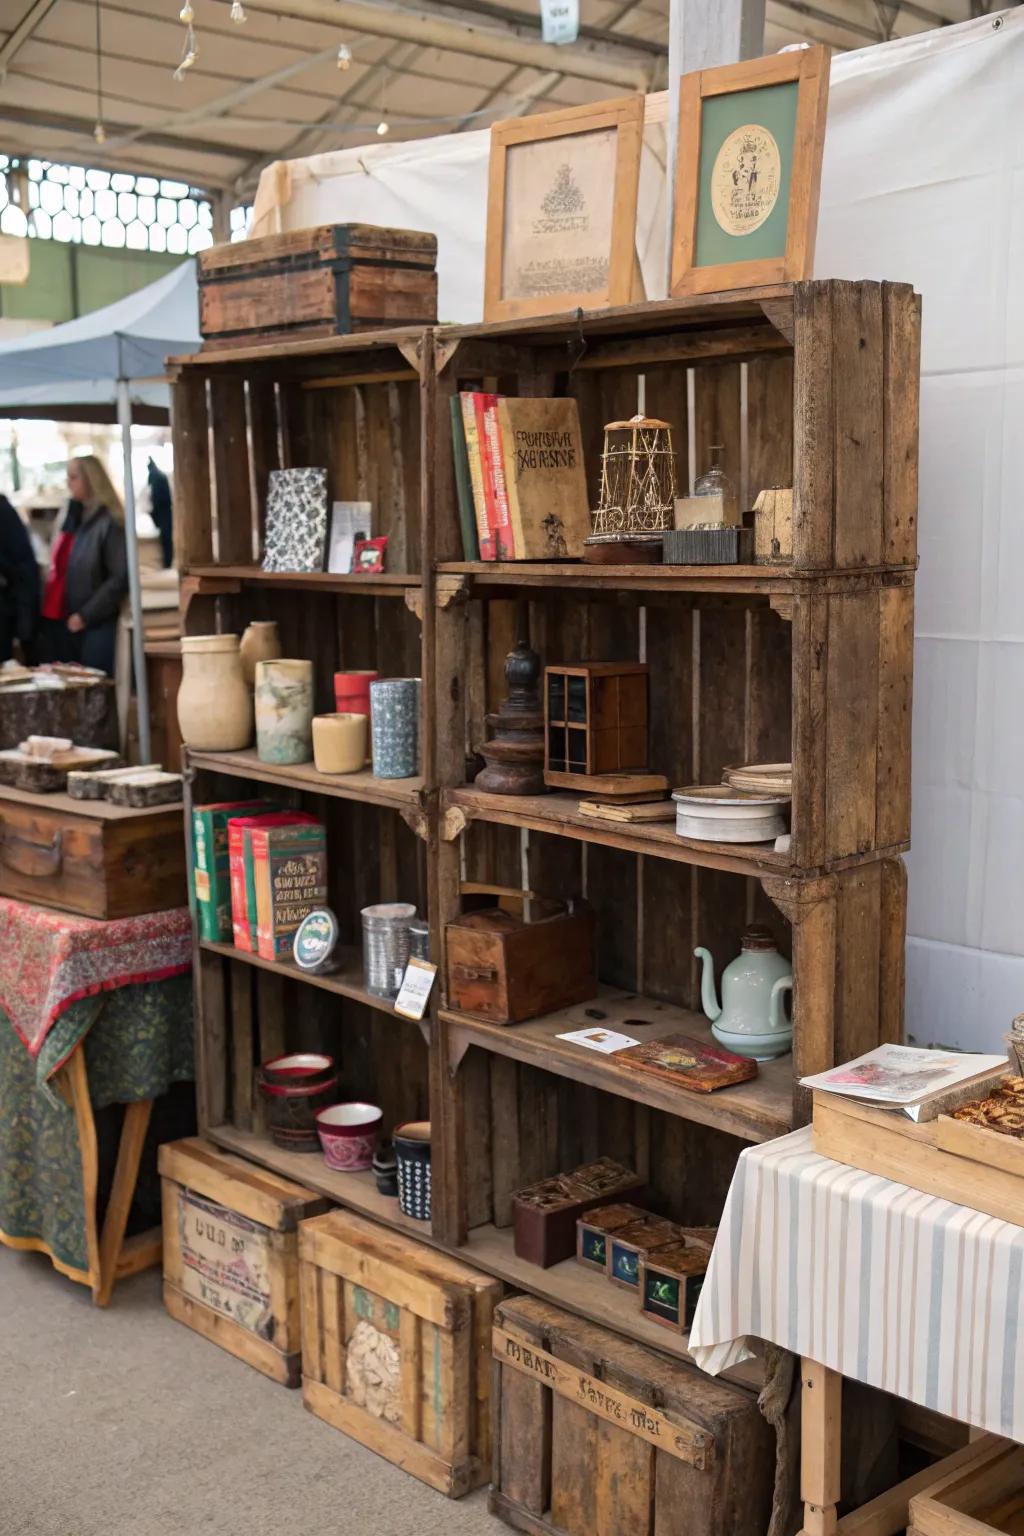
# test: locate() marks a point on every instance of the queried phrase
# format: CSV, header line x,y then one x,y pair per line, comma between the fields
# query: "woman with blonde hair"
x,y
86,588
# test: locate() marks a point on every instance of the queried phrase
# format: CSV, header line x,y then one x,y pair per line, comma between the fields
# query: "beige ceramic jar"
x,y
260,642
214,704
339,742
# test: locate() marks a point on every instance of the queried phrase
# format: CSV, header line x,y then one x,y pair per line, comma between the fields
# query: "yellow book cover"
x,y
545,478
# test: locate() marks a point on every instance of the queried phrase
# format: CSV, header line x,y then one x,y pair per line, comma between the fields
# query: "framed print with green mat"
x,y
748,169
561,210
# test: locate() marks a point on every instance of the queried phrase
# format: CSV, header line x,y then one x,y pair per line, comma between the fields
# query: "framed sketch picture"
x,y
561,210
748,169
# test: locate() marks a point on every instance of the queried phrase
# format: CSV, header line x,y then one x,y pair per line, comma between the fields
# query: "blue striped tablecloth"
x,y
901,1290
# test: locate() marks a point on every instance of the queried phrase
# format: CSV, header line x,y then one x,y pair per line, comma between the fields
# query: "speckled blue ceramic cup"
x,y
395,727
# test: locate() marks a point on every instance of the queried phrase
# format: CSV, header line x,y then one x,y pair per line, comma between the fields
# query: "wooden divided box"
x,y
231,1254
323,281
967,1164
595,1436
985,1497
395,1344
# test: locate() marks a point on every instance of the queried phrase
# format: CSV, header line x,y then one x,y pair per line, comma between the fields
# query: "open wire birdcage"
x,y
638,479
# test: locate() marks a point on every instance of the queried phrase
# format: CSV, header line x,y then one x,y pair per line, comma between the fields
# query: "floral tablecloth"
x,y
121,990
49,960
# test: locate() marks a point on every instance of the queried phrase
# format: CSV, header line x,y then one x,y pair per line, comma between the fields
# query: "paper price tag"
x,y
417,983
607,1041
560,20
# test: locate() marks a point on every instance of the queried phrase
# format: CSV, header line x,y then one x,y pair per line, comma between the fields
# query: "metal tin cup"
x,y
412,1152
386,946
419,940
395,727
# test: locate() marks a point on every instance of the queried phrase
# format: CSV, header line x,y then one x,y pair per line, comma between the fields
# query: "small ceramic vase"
x,y
339,743
260,642
412,1152
214,704
284,711
352,692
395,726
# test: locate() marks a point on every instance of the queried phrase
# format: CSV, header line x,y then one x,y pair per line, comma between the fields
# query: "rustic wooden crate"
x,y
423,1320
90,857
231,1254
323,281
983,1498
598,1437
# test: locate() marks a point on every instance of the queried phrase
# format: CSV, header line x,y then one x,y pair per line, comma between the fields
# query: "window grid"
x,y
88,206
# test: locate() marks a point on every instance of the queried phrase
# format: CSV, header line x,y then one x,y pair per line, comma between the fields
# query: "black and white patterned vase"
x,y
412,1153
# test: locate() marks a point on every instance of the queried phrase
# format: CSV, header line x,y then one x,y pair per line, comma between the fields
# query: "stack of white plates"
x,y
717,813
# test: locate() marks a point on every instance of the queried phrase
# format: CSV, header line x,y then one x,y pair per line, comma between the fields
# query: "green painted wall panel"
x,y
69,280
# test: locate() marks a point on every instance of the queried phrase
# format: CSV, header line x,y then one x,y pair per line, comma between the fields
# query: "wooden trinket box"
x,y
506,967
593,1229
670,1283
594,1434
395,1340
91,858
323,281
629,1245
545,1214
231,1254
595,723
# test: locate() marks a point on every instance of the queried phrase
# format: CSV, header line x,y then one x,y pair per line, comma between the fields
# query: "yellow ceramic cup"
x,y
339,743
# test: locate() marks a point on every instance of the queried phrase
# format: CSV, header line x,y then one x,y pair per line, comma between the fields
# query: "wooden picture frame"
x,y
603,143
723,133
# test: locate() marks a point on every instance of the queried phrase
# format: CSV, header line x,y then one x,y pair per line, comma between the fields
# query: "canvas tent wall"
x,y
922,178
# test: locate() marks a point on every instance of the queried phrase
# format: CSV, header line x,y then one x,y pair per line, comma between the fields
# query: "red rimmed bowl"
x,y
298,1070
348,1135
292,1109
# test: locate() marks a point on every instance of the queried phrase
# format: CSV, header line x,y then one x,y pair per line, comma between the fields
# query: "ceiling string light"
x,y
190,51
383,127
344,55
237,12
99,133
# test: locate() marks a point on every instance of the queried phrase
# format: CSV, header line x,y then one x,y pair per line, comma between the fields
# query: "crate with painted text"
x,y
231,1254
595,1436
395,1344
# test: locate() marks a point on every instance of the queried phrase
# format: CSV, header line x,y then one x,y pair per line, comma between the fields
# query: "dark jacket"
x,y
97,575
19,574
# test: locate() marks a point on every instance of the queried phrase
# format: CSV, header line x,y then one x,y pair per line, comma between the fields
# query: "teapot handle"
x,y
777,1019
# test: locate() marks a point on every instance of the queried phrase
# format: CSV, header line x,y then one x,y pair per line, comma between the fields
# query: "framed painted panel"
x,y
561,210
748,170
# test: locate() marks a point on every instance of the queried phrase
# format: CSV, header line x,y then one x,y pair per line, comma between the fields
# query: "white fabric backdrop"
x,y
924,182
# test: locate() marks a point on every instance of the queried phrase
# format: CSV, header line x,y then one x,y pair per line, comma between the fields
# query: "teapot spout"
x,y
708,995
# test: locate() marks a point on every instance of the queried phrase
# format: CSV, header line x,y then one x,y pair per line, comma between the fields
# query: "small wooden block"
x,y
592,1232
629,1245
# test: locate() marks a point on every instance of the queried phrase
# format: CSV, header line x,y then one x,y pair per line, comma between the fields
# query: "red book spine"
x,y
481,402
496,465
236,877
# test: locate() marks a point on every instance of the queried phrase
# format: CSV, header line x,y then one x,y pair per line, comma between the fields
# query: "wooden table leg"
x,y
73,1078
820,1441
129,1153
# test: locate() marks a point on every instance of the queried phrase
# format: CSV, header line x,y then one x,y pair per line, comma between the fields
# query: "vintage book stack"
x,y
480,454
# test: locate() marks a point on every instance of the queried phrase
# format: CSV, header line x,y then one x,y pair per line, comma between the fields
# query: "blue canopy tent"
x,y
101,367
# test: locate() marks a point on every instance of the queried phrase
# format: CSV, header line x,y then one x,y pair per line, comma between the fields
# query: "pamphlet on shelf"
x,y
414,993
607,1041
920,1082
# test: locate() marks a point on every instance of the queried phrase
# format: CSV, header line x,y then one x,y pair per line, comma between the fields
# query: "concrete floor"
x,y
123,1422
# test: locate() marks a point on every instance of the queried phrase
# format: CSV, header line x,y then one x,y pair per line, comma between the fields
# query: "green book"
x,y
210,863
463,484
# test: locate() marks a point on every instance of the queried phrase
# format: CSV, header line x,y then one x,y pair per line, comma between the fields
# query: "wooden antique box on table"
x,y
596,1436
395,1340
231,1254
507,967
91,857
985,1497
323,281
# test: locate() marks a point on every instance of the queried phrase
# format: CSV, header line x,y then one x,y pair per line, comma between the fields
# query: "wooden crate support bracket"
x,y
779,313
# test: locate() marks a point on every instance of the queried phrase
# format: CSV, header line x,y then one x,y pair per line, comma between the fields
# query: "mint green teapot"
x,y
751,1019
